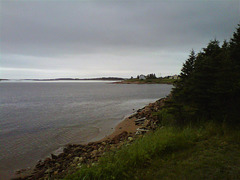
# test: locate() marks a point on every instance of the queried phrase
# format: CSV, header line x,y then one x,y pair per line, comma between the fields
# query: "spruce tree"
x,y
183,86
209,85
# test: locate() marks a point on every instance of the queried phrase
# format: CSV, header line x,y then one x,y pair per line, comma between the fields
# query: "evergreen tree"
x,y
188,66
183,86
234,96
151,76
209,85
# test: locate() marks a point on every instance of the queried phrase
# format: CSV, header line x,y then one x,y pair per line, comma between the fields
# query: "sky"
x,y
108,38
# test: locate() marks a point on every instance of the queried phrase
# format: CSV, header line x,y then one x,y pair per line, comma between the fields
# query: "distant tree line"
x,y
149,76
209,85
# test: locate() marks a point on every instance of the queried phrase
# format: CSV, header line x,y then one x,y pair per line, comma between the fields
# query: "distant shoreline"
x,y
117,80
70,79
147,81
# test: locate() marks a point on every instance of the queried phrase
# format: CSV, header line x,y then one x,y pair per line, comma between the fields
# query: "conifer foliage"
x,y
209,85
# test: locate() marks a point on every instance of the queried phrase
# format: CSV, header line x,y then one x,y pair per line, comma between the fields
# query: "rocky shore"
x,y
75,155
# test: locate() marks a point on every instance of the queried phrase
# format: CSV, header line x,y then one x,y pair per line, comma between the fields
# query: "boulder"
x,y
130,138
75,160
94,153
53,156
104,143
48,171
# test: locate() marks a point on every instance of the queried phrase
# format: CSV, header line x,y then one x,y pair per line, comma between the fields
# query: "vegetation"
x,y
172,153
149,76
198,135
214,154
209,85
151,81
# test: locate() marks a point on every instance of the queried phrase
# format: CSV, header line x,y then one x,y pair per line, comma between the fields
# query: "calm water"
x,y
39,118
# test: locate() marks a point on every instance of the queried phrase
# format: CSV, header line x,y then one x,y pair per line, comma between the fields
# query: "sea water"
x,y
38,118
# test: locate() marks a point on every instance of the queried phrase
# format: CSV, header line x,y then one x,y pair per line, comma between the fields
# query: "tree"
x,y
209,85
151,76
234,96
188,66
183,86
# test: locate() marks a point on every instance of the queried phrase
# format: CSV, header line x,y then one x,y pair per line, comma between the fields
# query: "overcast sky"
x,y
51,39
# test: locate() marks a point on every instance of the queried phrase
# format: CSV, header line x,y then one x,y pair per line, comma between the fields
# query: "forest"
x,y
209,85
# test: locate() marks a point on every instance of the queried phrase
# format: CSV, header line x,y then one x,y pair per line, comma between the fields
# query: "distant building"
x,y
174,77
142,77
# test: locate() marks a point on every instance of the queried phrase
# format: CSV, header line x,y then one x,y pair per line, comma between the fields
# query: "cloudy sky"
x,y
95,38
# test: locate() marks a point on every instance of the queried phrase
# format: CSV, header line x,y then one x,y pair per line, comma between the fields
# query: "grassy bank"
x,y
149,81
210,151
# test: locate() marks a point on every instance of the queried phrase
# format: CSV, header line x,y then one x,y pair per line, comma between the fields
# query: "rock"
x,y
19,171
73,165
130,138
69,156
94,152
77,150
90,149
112,148
57,165
39,174
101,149
91,143
80,159
53,156
39,165
48,171
47,160
120,145
65,150
76,159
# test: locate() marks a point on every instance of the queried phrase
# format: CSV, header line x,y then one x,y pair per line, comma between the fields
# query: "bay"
x,y
38,118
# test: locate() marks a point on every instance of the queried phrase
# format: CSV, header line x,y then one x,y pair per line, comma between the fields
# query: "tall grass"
x,y
121,163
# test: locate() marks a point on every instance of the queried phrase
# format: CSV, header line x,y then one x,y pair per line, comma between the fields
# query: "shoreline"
x,y
139,82
74,155
147,81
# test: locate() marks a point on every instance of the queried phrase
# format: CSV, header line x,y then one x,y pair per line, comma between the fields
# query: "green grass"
x,y
214,156
207,152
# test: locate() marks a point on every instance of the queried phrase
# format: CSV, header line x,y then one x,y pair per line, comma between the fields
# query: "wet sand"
x,y
127,125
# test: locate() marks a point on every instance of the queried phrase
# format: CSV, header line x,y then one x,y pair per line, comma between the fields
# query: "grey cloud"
x,y
39,34
55,27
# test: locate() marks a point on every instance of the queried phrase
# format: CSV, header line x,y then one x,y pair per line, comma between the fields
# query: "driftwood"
x,y
140,121
141,131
